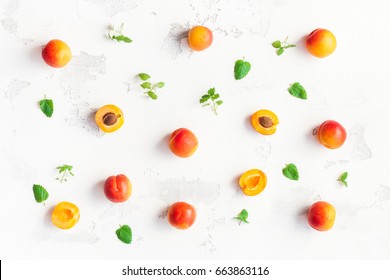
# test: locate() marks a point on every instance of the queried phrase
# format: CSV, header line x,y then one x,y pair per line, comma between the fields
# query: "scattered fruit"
x,y
40,193
109,118
243,216
281,46
200,38
265,122
331,134
56,53
211,95
253,182
124,234
65,215
321,216
117,188
181,215
321,43
183,142
241,69
291,172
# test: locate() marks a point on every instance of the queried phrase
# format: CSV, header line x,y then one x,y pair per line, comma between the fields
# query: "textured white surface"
x,y
350,86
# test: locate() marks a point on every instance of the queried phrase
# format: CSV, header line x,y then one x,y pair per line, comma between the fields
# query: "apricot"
x,y
65,215
321,43
321,216
117,188
331,134
265,122
56,53
109,118
253,182
183,142
181,215
200,38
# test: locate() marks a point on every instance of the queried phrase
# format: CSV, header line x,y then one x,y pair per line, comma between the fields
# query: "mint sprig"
x,y
149,86
64,170
211,99
117,35
282,46
242,216
343,178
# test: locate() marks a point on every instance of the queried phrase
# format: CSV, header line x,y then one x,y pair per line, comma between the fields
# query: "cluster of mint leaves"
x,y
150,87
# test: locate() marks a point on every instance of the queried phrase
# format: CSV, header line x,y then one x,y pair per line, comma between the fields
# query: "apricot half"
x,y
65,215
109,118
265,122
253,182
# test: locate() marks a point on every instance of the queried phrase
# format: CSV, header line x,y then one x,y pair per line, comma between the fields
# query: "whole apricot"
x,y
181,215
200,38
65,215
109,118
321,216
321,42
56,53
331,134
183,142
117,188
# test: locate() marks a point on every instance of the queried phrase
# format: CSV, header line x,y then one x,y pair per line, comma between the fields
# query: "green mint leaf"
x,y
146,85
279,51
291,172
215,96
152,95
243,216
40,193
343,178
121,38
159,85
297,90
124,234
211,92
64,170
47,107
144,76
219,102
203,100
241,69
277,44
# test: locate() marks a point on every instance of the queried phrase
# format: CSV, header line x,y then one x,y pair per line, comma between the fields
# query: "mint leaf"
x,y
291,172
277,44
124,234
279,51
297,90
40,193
159,85
143,76
121,38
47,107
211,92
152,95
146,85
343,178
243,216
241,69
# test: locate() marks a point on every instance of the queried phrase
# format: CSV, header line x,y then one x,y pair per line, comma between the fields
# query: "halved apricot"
x,y
109,118
253,182
265,122
65,215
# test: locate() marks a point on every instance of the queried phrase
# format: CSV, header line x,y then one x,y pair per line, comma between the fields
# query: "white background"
x,y
350,86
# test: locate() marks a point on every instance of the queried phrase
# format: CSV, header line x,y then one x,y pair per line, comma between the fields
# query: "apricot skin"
x,y
117,188
321,216
321,43
200,38
183,142
56,53
331,134
181,215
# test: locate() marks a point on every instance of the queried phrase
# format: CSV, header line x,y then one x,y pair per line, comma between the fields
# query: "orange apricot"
x,y
183,142
253,182
56,53
200,38
265,122
65,215
321,216
109,118
321,42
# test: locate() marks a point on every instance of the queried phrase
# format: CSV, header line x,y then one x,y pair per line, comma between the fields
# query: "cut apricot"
x,y
109,118
265,122
253,182
65,215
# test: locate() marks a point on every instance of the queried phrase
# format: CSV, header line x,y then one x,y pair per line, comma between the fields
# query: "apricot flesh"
x,y
200,38
321,42
253,182
321,216
181,215
109,118
265,122
183,142
56,53
65,215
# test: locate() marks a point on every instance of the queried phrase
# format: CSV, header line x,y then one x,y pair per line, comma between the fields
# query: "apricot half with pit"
x,y
253,182
265,122
109,118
